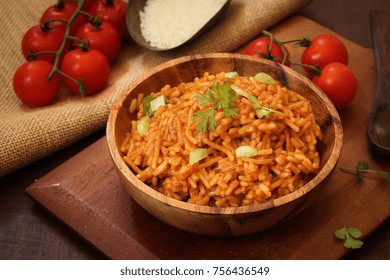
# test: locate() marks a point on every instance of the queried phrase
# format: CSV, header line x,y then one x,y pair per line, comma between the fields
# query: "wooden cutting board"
x,y
85,193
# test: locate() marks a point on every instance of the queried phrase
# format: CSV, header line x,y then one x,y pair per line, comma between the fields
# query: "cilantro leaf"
x,y
362,168
341,233
204,100
220,97
354,232
350,235
351,243
205,119
226,102
385,176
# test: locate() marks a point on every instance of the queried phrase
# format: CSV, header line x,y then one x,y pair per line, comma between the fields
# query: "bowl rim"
x,y
203,209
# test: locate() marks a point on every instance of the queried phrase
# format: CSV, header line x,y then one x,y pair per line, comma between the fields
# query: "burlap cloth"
x,y
28,134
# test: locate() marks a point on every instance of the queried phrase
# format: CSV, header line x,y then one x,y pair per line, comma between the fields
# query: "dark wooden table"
x,y
27,231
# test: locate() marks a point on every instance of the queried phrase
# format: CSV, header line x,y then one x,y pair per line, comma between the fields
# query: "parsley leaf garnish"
x,y
362,168
205,118
219,97
385,175
350,235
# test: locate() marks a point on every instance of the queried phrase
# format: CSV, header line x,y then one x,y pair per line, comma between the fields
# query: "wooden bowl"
x,y
224,221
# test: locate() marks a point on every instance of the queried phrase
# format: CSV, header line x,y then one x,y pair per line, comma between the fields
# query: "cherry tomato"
x,y
101,36
324,49
91,68
338,82
31,84
41,38
63,10
88,4
259,48
113,11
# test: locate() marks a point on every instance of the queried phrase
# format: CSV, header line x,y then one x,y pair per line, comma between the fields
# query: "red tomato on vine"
x,y
322,50
101,36
90,71
63,10
32,86
113,11
88,4
43,38
260,48
338,82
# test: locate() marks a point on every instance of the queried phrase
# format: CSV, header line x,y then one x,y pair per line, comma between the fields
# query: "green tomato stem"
x,y
69,22
301,42
286,57
32,55
109,3
80,84
277,42
86,14
82,44
60,4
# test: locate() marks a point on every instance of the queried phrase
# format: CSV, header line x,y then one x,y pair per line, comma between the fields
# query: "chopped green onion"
x,y
143,125
158,102
231,75
239,90
246,151
197,155
150,105
264,78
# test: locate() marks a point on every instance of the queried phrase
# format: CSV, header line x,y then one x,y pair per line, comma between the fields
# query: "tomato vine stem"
x,y
32,55
286,57
91,17
110,3
68,22
80,84
301,42
84,46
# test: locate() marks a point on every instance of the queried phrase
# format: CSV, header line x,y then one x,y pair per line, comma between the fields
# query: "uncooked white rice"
x,y
169,23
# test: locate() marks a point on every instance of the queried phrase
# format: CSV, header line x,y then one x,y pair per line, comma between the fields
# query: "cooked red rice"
x,y
286,145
